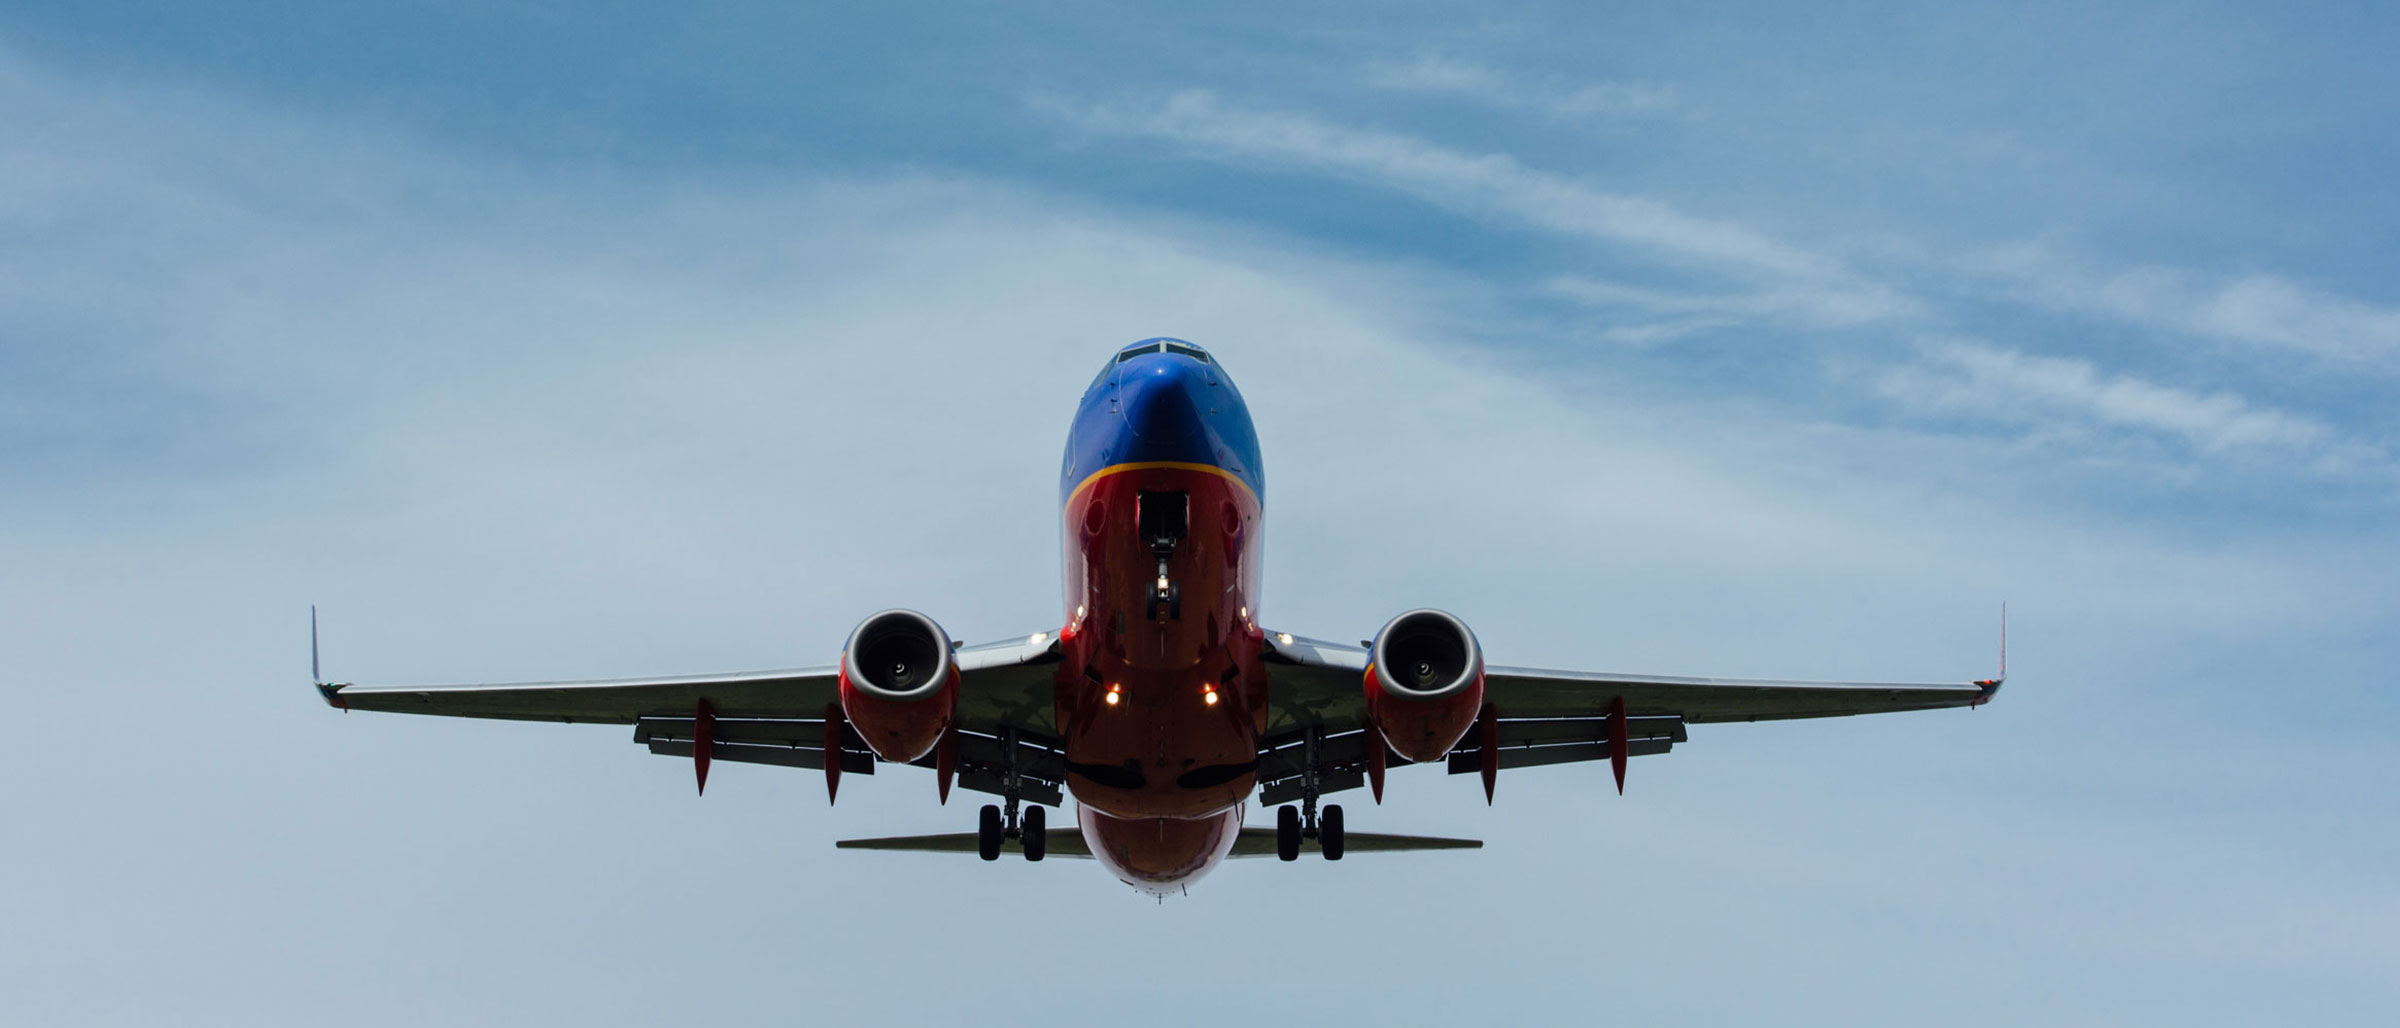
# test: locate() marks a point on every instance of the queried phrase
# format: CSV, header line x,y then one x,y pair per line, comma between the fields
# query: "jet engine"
x,y
1424,684
899,684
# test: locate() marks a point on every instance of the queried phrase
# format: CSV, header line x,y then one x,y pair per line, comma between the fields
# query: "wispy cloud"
x,y
1495,186
1734,276
2254,310
1436,74
1975,380
1782,304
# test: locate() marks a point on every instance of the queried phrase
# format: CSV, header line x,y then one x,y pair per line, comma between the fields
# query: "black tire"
x,y
1329,831
987,833
1287,832
1037,837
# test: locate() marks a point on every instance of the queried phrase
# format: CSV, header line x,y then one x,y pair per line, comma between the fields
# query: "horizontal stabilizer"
x,y
1068,843
1260,842
1058,842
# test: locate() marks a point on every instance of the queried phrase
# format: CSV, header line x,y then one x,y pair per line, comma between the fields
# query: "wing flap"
x,y
752,753
1469,761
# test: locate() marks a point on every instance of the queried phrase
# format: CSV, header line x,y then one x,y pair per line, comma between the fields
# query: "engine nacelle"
x,y
1424,684
899,684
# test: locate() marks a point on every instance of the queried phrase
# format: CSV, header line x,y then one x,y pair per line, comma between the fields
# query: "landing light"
x,y
1208,695
1114,694
1036,638
1284,638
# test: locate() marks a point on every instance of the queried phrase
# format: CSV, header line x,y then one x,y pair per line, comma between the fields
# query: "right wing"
x,y
1544,717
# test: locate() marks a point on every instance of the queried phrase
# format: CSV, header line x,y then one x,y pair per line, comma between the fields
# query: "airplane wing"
x,y
1544,717
1005,700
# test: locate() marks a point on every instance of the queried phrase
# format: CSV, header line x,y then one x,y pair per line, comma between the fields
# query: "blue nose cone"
x,y
1164,399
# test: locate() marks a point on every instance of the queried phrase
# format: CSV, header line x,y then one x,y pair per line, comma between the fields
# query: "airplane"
x,y
1161,702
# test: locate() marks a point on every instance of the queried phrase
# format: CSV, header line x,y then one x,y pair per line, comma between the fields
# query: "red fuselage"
x,y
1161,693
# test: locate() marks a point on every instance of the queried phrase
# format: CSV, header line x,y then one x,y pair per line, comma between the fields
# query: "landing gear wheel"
x,y
1329,831
1036,838
987,833
1287,832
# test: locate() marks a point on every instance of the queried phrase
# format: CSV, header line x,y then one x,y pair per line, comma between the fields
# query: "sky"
x,y
535,341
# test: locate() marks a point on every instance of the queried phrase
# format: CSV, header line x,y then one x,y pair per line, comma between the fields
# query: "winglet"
x,y
316,673
1991,685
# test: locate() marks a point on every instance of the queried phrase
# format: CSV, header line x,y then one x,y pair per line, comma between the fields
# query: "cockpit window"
x,y
1162,346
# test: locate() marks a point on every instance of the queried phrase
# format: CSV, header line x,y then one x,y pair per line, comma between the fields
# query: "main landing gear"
x,y
1031,833
992,824
1293,824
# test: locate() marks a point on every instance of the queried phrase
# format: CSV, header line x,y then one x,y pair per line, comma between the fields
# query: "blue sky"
x,y
535,341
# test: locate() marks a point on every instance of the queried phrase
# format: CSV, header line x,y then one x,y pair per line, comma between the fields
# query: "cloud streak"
x,y
1450,76
2256,310
1975,380
1780,285
1491,185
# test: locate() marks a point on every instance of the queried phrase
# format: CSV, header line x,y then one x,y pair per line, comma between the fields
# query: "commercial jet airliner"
x,y
1160,702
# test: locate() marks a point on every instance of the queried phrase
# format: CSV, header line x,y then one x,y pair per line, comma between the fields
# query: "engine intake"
x,y
899,683
1424,683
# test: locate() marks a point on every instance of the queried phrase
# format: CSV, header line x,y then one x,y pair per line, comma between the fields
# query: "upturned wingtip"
x,y
331,691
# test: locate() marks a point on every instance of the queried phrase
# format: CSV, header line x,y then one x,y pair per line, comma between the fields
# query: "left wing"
x,y
776,717
1542,716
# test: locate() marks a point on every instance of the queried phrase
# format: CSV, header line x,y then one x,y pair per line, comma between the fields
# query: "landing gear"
x,y
1035,836
988,832
1293,824
995,825
1163,519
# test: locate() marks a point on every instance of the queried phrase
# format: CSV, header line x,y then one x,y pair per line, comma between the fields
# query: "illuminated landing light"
x,y
1162,586
1284,638
1037,638
1208,695
1115,695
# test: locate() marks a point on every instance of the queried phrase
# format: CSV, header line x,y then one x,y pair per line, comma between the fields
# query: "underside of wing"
x,y
1005,708
1318,702
1531,692
611,701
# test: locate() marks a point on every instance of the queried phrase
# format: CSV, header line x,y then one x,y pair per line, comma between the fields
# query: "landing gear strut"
x,y
1293,825
995,824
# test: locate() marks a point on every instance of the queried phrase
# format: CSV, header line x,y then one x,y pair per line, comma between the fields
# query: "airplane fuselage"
x,y
1161,692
